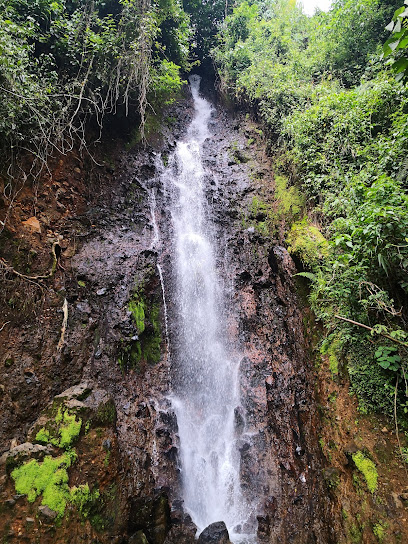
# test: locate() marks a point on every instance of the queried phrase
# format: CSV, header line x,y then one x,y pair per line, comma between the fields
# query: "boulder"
x,y
216,533
32,224
181,534
152,516
46,513
17,455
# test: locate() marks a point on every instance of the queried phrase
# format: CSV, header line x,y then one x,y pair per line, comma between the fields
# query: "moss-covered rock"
x,y
307,243
145,346
367,469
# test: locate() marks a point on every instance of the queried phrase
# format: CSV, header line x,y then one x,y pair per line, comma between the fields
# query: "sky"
x,y
310,5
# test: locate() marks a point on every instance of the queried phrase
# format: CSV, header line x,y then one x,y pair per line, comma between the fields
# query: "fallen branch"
x,y
64,325
35,278
371,330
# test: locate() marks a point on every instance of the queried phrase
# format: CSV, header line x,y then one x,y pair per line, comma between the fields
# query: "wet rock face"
x,y
152,517
111,371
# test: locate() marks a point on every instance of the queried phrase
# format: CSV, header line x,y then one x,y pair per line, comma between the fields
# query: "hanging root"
x,y
50,273
64,325
2,327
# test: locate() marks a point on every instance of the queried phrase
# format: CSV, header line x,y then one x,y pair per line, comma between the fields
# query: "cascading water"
x,y
205,380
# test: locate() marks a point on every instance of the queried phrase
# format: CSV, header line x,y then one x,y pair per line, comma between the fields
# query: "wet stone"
x,y
216,533
47,513
138,538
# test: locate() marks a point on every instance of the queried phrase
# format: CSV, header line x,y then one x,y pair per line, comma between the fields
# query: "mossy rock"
x,y
307,243
368,469
21,453
63,422
145,347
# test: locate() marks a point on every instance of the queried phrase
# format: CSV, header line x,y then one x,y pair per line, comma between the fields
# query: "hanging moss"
x,y
146,347
138,313
367,469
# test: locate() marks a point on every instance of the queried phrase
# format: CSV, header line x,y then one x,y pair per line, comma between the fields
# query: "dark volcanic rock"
x,y
216,533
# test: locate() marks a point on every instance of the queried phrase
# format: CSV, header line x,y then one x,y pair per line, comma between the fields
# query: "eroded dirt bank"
x,y
100,387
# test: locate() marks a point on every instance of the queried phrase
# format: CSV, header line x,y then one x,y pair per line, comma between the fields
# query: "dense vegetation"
x,y
67,64
337,121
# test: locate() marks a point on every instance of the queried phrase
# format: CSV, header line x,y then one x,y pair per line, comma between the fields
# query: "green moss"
x,y
106,460
106,414
307,242
291,202
83,498
356,536
379,531
43,436
332,346
152,342
146,315
65,431
261,217
49,478
367,469
130,356
138,313
59,416
98,522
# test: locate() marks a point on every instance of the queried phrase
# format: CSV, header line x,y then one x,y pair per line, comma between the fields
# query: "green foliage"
x,y
206,18
367,469
388,358
338,120
64,64
397,44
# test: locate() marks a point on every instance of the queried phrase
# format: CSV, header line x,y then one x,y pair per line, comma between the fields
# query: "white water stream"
x,y
205,381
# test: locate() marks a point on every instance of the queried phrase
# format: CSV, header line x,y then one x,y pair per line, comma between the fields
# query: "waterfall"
x,y
205,372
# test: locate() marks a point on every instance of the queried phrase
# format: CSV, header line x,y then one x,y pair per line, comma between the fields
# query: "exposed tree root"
x,y
64,325
33,279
